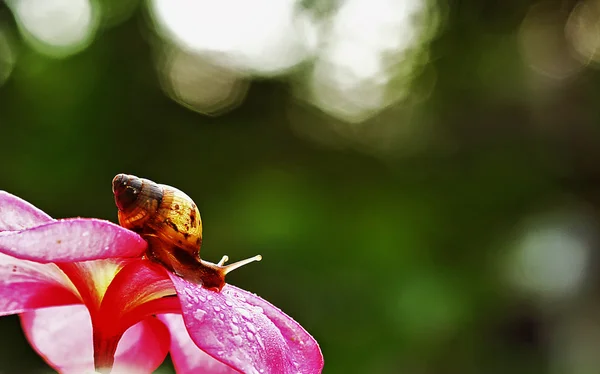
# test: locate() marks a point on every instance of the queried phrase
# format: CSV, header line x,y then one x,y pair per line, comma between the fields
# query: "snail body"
x,y
170,222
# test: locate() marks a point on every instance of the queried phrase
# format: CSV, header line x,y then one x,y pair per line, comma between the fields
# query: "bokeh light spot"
x,y
56,27
583,30
200,84
370,44
543,43
262,36
551,255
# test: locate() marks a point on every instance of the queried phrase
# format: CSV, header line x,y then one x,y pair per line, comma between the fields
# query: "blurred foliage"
x,y
393,260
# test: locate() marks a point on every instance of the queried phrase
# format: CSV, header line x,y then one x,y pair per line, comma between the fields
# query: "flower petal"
x,y
74,239
63,337
26,285
92,278
142,348
246,332
306,349
187,357
142,288
18,214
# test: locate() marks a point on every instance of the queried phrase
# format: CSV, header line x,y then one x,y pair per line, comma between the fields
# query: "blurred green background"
x,y
421,178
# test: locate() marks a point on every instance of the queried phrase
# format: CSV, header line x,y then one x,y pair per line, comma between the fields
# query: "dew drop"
x,y
244,313
209,297
229,303
234,328
260,341
217,308
234,319
221,315
199,315
249,335
251,327
201,298
238,340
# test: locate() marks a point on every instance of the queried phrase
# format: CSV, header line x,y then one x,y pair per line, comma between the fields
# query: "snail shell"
x,y
150,208
170,222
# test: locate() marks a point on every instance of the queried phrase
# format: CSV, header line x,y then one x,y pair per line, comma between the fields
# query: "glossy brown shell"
x,y
158,210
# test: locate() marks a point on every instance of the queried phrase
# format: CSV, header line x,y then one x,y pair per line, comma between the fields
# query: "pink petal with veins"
x,y
297,338
142,348
63,337
26,285
187,357
18,214
137,283
140,289
74,239
246,332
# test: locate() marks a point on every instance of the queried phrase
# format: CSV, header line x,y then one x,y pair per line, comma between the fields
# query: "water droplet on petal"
x,y
234,319
209,297
260,341
234,329
199,315
221,315
229,303
217,308
191,296
238,340
251,327
244,313
201,298
249,335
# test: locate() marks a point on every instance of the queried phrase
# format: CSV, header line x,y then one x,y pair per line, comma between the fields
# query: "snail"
x,y
170,222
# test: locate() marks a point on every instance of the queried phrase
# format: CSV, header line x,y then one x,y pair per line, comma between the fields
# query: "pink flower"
x,y
89,301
